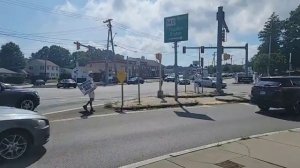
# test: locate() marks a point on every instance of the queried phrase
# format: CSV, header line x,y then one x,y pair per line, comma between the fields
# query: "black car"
x,y
277,92
39,82
67,83
20,98
135,80
170,79
20,131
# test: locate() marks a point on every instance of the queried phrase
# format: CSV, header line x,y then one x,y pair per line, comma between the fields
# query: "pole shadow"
x,y
187,114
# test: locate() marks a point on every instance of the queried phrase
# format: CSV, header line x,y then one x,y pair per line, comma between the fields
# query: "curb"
x,y
147,107
175,154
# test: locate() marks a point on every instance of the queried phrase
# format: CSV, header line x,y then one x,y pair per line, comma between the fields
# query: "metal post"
x,y
139,91
246,59
269,56
202,74
122,93
199,58
45,68
290,64
176,72
160,92
220,18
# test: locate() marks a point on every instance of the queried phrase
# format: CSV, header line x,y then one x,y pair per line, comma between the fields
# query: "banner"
x,y
87,87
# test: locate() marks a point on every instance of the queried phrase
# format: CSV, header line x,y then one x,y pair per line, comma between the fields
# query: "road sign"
x,y
121,75
176,28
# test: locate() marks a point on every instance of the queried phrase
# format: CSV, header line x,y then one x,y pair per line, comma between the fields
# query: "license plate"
x,y
262,92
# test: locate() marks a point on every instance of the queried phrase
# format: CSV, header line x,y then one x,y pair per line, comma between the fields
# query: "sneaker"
x,y
92,110
85,107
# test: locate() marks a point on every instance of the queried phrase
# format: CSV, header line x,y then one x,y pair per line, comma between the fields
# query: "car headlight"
x,y
42,123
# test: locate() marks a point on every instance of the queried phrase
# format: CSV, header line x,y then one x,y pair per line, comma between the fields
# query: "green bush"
x,y
13,79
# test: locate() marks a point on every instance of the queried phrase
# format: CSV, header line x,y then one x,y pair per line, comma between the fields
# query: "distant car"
x,y
209,82
184,82
39,82
135,80
277,92
66,83
170,79
20,98
20,132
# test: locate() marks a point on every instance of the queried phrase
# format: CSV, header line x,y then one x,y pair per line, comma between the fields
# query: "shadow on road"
x,y
281,114
85,114
25,161
187,114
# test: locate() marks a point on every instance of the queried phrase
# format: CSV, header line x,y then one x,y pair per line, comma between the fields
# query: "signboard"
x,y
121,75
245,79
87,87
176,28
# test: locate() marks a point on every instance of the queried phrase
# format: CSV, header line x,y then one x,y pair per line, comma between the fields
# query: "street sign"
x,y
176,28
121,75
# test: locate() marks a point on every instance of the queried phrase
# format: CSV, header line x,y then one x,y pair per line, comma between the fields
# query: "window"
x,y
57,68
48,67
41,67
53,68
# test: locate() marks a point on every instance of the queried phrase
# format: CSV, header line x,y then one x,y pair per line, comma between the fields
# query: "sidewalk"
x,y
275,150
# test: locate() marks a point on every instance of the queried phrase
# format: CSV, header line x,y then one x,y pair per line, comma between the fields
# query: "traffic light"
x,y
77,45
202,49
223,35
184,49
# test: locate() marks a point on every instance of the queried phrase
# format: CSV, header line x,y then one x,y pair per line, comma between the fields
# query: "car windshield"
x,y
148,83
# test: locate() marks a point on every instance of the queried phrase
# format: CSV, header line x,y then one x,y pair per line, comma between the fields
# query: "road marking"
x,y
77,108
247,104
79,118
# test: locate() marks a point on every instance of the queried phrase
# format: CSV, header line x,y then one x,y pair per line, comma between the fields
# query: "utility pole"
x,y
221,34
176,71
269,55
111,41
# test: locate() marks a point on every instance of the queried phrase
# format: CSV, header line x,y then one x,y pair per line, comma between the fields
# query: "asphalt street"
x,y
121,139
53,99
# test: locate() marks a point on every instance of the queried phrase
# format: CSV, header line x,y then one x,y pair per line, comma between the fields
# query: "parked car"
x,y
209,82
39,82
277,92
20,132
135,80
20,98
66,83
170,79
184,82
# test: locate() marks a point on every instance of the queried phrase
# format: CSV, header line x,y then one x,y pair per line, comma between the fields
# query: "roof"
x,y
43,62
6,71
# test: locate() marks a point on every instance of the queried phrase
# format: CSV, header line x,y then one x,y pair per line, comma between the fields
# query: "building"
x,y
36,67
5,72
146,68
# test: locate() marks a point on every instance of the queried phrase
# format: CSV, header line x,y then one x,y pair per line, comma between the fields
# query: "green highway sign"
x,y
176,28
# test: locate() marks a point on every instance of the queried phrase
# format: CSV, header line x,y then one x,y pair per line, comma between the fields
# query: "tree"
x,y
11,57
277,63
41,54
81,57
55,54
291,32
273,28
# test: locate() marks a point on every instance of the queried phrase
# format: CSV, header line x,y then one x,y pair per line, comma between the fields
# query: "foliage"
x,y
12,79
278,63
272,28
11,57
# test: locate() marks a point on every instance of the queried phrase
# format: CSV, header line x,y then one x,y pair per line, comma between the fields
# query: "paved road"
x,y
117,140
53,99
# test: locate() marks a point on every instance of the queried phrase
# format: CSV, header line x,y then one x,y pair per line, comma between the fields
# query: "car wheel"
x,y
296,107
263,107
27,104
75,86
14,144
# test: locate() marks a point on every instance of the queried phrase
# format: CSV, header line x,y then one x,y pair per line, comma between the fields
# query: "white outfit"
x,y
91,94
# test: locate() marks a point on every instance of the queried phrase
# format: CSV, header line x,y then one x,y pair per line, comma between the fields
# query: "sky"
x,y
137,25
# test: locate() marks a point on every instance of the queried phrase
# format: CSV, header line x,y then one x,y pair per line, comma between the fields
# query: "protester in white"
x,y
91,95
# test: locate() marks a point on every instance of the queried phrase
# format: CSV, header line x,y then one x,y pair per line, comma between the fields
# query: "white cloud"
x,y
67,7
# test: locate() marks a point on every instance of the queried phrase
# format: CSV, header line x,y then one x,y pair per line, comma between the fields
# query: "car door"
x,y
205,82
5,98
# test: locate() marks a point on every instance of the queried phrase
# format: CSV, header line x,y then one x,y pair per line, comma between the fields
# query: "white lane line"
x,y
77,108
